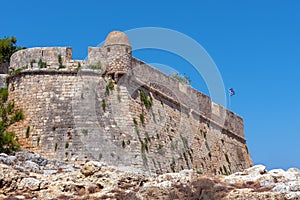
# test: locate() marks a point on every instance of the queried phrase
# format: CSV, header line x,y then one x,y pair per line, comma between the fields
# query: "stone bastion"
x,y
117,109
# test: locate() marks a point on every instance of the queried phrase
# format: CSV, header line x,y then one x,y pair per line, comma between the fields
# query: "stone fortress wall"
x,y
84,114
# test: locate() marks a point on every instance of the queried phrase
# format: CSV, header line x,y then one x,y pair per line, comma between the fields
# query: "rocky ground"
x,y
29,176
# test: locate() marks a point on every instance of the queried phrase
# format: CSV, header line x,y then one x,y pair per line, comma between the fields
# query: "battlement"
x,y
99,112
29,58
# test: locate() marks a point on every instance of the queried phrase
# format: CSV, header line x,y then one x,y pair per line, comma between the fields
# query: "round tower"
x,y
118,54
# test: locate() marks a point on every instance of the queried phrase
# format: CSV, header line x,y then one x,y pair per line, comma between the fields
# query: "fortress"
x,y
115,108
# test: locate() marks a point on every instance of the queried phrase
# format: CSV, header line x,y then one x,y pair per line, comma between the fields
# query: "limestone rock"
x,y
33,167
96,180
29,183
90,168
256,170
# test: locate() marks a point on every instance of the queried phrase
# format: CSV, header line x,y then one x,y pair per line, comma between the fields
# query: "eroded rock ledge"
x,y
29,176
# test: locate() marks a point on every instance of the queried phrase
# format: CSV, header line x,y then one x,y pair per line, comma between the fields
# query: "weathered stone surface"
x,y
29,183
104,182
32,166
98,113
90,168
256,170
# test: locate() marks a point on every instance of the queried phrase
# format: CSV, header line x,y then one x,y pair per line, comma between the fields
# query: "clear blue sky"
x,y
255,44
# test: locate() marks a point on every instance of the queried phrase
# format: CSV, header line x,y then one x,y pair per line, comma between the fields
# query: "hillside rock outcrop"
x,y
29,176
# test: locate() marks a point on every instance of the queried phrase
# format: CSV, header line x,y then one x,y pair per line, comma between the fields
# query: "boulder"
x,y
91,167
33,167
256,170
29,183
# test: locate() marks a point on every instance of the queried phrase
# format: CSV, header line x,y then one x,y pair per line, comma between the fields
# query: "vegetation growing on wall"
x,y
142,119
17,71
60,62
42,64
181,78
31,63
95,66
85,132
8,116
78,66
109,87
145,99
103,105
55,147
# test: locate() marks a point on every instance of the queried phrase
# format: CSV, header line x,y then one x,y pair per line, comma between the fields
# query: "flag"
x,y
231,92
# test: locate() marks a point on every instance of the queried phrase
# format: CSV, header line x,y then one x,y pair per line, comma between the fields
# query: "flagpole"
x,y
229,101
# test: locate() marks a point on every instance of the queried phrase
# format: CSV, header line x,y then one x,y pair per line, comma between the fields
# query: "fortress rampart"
x,y
115,108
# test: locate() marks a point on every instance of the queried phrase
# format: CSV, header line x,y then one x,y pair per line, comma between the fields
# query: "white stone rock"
x,y
32,166
295,170
165,184
186,172
266,180
50,172
294,186
3,155
290,176
282,188
29,183
293,195
20,197
256,170
276,172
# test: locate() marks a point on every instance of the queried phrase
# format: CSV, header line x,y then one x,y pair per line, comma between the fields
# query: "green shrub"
x,y
109,87
95,66
147,101
8,116
17,71
181,78
135,122
144,148
31,63
60,62
55,147
246,147
204,134
103,105
142,119
67,145
78,66
42,64
85,132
